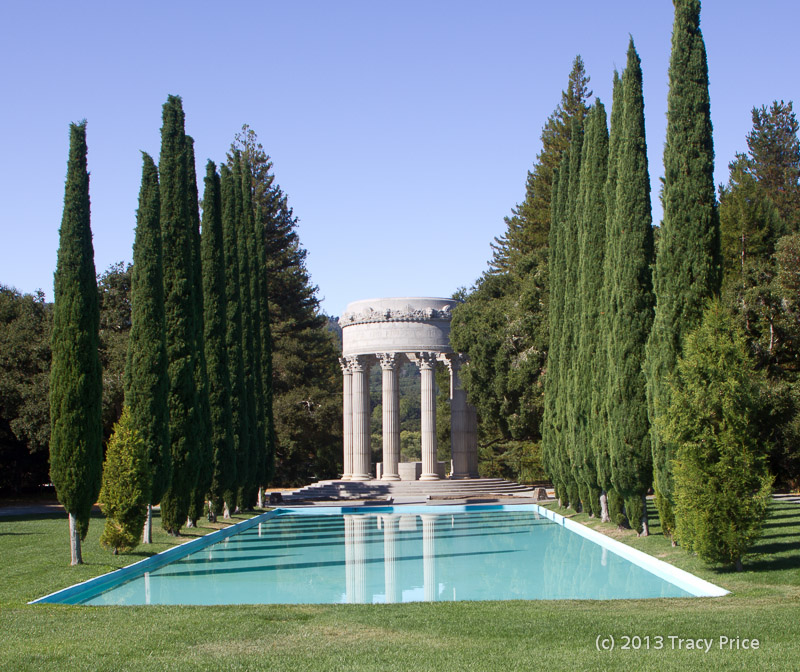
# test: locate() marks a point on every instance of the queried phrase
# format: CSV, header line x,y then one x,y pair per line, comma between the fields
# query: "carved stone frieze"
x,y
407,314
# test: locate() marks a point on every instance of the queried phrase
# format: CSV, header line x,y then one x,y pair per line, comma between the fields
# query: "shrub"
x,y
126,487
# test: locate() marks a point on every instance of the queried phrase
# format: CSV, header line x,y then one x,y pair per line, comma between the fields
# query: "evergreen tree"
x,y
146,380
306,378
179,308
591,251
717,419
125,494
631,306
76,389
688,268
565,404
204,453
215,310
233,331
600,395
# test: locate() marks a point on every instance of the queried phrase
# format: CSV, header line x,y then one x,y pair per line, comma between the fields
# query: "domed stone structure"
x,y
390,332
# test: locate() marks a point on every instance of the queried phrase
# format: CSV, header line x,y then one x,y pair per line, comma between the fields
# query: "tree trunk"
x,y
74,541
226,511
739,566
147,533
645,524
604,517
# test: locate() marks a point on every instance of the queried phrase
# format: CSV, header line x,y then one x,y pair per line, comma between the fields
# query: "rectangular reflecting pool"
x,y
395,554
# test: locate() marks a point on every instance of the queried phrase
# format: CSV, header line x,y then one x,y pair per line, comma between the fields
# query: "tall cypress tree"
x,y
245,468
631,305
233,332
688,267
550,436
215,310
146,380
204,453
569,327
76,388
591,242
258,457
599,435
179,308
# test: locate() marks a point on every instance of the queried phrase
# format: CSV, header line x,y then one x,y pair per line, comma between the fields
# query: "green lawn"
x,y
765,604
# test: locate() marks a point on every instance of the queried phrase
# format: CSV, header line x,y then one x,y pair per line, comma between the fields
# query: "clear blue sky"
x,y
401,131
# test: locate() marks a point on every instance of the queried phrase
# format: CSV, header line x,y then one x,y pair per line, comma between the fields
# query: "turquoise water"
x,y
394,557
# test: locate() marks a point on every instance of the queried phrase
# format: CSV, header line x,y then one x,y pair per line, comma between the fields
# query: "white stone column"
x,y
426,361
361,419
429,556
458,418
347,418
390,525
391,416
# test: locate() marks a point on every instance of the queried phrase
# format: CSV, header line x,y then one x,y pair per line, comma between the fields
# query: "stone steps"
x,y
477,487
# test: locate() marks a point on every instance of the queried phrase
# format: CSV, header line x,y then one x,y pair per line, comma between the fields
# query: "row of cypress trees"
x,y
198,378
619,313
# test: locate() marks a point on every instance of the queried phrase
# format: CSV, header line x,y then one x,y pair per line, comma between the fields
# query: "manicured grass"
x,y
765,604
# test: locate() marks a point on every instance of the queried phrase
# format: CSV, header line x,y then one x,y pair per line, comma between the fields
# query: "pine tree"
x,y
687,271
76,388
718,421
591,246
126,486
233,332
631,305
203,453
179,310
146,380
215,310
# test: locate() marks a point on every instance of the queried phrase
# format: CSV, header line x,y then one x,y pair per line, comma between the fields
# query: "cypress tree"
x,y
599,437
146,380
687,271
215,311
76,388
233,331
179,309
204,455
258,456
591,241
631,305
550,457
569,326
248,460
126,486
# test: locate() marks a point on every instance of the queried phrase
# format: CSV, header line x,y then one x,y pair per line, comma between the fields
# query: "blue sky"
x,y
401,131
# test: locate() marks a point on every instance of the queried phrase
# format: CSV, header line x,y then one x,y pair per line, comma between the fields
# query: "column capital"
x,y
425,360
452,360
388,360
345,364
359,363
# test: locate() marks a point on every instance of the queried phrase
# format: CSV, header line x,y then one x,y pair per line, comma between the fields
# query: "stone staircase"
x,y
400,490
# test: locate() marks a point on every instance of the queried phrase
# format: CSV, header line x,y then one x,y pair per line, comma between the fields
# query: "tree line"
x,y
632,357
190,347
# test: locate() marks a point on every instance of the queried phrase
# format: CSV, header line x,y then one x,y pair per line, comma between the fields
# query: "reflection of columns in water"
x,y
390,525
347,418
361,419
147,587
391,417
429,556
426,361
349,565
360,559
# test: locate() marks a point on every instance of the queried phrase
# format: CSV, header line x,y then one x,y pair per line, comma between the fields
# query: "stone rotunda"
x,y
391,332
